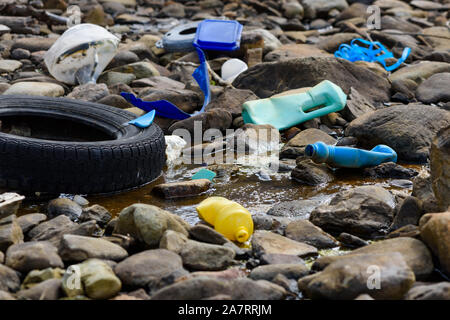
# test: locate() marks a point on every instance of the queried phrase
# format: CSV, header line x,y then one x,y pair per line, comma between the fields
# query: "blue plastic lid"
x,y
220,35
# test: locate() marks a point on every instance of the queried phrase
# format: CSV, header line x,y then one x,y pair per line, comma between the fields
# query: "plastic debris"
x,y
232,68
284,112
81,54
174,147
375,52
179,39
346,157
204,174
9,203
221,35
229,218
144,121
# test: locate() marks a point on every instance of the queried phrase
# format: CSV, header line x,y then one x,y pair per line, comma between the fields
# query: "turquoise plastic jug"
x,y
346,157
287,111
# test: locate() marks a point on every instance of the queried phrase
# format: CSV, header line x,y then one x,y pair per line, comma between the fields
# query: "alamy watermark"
x,y
374,279
374,18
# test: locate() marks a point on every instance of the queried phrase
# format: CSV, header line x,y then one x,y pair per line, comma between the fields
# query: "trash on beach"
x,y
232,68
375,52
144,121
222,35
174,148
179,39
81,54
9,203
228,218
284,112
204,174
346,157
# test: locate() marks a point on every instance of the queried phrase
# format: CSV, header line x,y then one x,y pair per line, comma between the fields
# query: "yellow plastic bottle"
x,y
228,218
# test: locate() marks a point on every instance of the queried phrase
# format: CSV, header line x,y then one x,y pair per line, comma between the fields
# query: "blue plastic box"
x,y
219,35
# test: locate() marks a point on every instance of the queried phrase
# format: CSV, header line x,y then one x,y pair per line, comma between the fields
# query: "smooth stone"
x,y
304,231
91,92
206,234
296,146
231,99
440,168
10,232
277,258
173,241
420,71
390,170
47,290
429,291
47,89
206,257
434,89
351,241
64,206
182,189
357,105
31,220
296,209
409,212
96,212
111,78
140,69
35,277
292,51
9,65
9,279
309,173
269,272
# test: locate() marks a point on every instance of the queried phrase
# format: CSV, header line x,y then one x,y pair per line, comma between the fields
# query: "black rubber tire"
x,y
133,158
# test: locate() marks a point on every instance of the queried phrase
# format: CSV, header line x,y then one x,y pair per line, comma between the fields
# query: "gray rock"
x,y
390,170
296,146
420,71
97,213
408,129
409,212
47,89
304,231
47,290
363,211
9,65
20,54
10,232
64,206
173,241
351,241
206,257
3,294
123,57
78,248
309,173
182,189
231,100
309,71
429,291
313,8
34,255
187,100
440,167
276,258
149,267
34,44
9,279
111,78
357,105
269,272
414,252
216,118
141,69
115,100
246,289
296,209
340,281
35,277
434,89
269,242
91,92
206,234
147,223
423,190
31,220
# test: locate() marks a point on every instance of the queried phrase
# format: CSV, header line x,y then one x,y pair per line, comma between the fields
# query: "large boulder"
x,y
408,129
309,71
382,276
364,211
435,232
440,167
147,223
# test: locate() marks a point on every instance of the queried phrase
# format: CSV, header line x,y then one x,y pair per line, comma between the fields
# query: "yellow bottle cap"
x,y
242,235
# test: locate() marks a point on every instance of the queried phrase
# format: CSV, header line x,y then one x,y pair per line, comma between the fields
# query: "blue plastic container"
x,y
346,157
219,35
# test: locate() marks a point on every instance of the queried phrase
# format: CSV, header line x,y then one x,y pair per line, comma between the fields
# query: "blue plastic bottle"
x,y
346,157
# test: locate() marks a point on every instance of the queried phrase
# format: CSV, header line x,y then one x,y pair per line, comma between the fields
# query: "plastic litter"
x,y
144,121
81,54
228,218
179,39
371,52
204,174
233,68
174,147
346,157
287,111
212,35
9,203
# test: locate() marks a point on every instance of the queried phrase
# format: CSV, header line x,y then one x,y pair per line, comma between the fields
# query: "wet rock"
x,y
295,147
231,100
304,231
78,248
10,232
147,223
91,92
64,206
435,232
97,213
363,211
309,173
149,267
182,189
390,170
351,241
357,105
440,167
291,75
269,272
420,71
422,189
340,281
408,129
296,209
29,221
36,89
434,89
429,291
266,222
173,241
257,139
97,280
409,212
216,118
206,234
9,279
414,252
204,256
272,243
33,255
35,277
46,290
